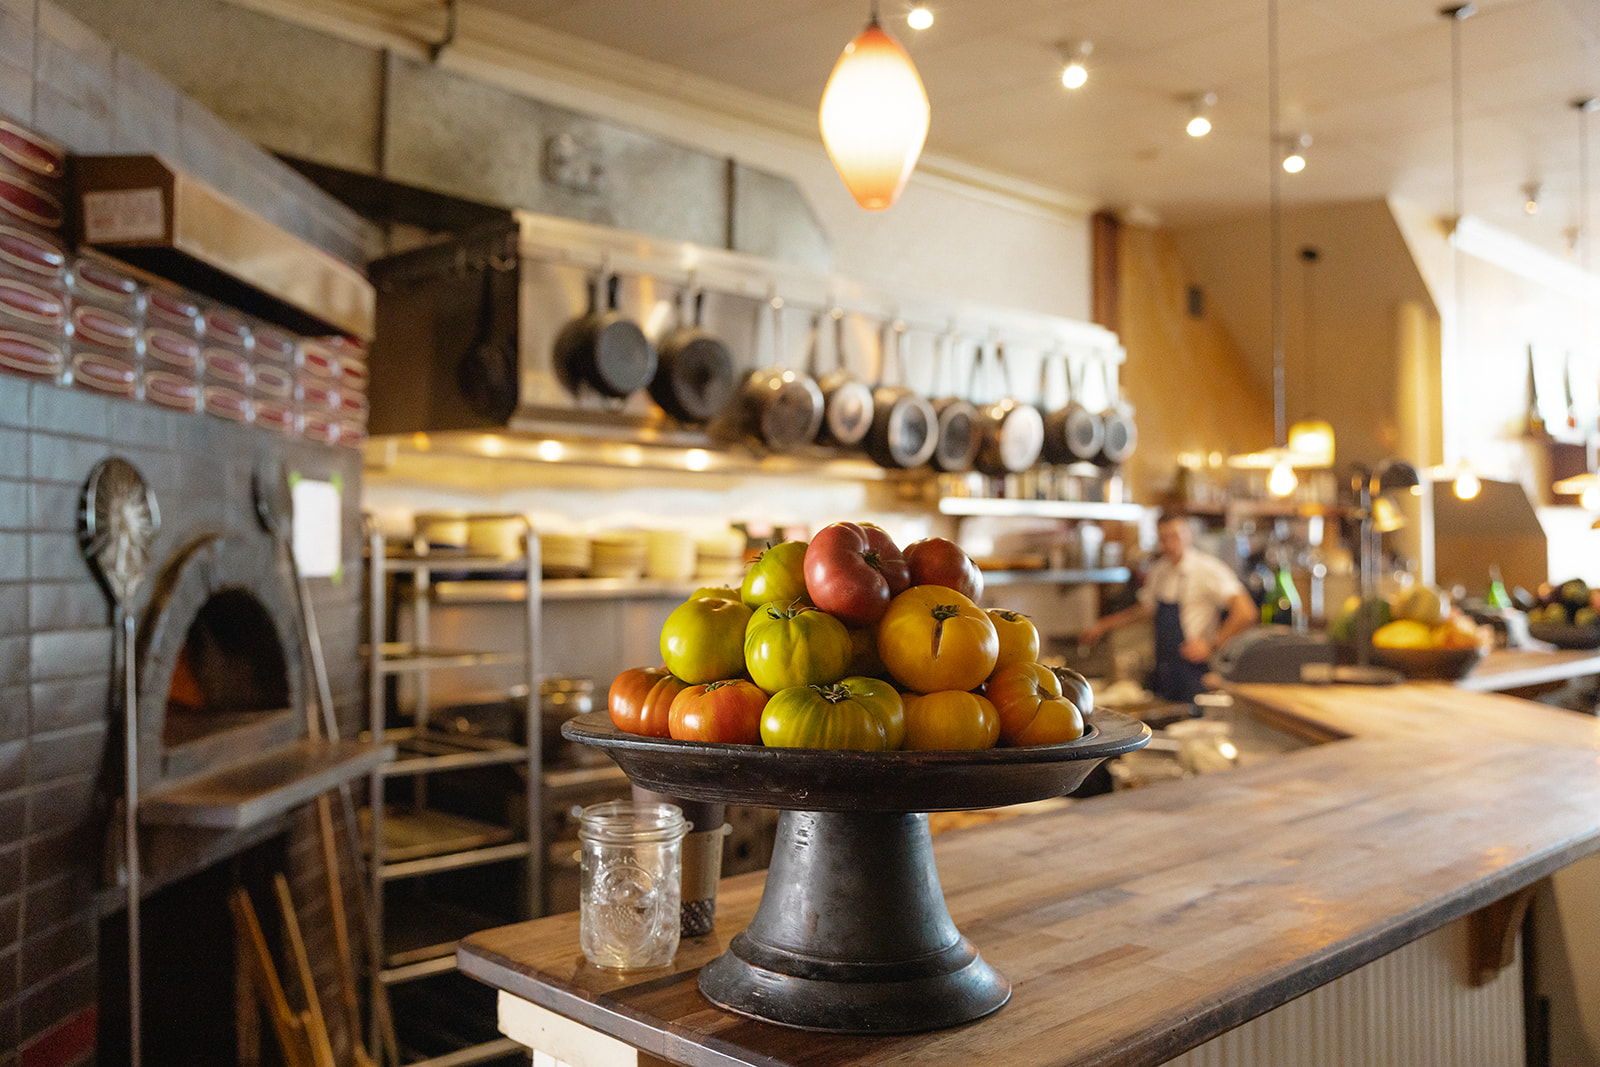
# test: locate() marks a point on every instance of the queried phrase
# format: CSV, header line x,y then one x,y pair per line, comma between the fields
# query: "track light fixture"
x,y
919,17
1074,73
1199,122
1530,198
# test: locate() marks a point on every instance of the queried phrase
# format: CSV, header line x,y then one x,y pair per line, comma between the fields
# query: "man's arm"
x,y
1241,616
1100,627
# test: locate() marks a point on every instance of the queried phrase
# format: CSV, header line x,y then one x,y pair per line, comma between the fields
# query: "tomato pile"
x,y
848,642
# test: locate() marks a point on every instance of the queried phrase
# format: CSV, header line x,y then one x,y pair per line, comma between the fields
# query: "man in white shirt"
x,y
1196,603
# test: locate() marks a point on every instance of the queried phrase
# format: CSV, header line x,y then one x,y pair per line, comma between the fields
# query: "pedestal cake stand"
x,y
852,934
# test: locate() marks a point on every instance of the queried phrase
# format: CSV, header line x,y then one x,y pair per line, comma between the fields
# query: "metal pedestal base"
x,y
852,934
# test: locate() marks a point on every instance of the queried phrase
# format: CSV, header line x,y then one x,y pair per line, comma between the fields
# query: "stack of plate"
x,y
719,555
671,556
619,554
564,555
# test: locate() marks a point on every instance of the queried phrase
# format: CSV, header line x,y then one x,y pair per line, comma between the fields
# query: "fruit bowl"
x,y
1565,634
1429,664
824,780
852,934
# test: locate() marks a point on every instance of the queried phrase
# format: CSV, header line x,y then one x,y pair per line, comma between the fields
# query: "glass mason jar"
x,y
630,883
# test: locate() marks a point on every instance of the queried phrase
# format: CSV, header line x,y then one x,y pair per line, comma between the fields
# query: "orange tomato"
x,y
1032,709
951,719
1019,637
933,639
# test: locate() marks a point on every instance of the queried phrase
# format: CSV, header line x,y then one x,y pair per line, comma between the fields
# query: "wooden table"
x,y
1137,925
1505,669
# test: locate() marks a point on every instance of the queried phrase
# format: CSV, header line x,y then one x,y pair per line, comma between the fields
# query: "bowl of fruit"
x,y
1417,633
1566,615
855,686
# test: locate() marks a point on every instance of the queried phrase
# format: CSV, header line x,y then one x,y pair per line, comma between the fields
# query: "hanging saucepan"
x,y
1121,435
1012,432
694,370
605,348
958,440
847,400
1072,433
905,428
779,407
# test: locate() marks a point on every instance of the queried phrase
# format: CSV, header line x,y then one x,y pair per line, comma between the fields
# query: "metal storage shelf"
x,y
418,839
1101,575
1041,509
421,751
399,657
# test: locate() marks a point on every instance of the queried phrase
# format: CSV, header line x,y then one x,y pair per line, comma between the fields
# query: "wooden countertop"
x,y
1137,925
1506,669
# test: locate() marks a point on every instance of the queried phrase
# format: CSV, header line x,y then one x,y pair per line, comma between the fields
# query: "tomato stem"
x,y
874,559
833,694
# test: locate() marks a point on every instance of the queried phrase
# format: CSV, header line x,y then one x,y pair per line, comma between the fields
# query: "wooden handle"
x,y
316,1026
257,961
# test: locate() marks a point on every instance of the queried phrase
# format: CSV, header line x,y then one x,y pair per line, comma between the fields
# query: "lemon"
x,y
1404,633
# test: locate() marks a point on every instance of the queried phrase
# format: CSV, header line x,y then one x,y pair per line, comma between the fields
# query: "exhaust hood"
x,y
144,211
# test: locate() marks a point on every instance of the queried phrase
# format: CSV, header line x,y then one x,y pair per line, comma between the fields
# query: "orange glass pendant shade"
x,y
874,117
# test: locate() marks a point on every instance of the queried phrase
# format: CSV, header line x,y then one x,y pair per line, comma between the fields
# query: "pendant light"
x,y
1585,486
1465,481
874,116
1282,481
1310,439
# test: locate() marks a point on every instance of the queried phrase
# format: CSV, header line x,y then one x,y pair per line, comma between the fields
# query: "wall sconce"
x,y
874,116
1199,122
1073,72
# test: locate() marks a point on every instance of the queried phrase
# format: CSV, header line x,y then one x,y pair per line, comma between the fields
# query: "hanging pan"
x,y
779,408
847,400
905,428
1012,432
1121,435
694,370
958,439
1072,433
604,348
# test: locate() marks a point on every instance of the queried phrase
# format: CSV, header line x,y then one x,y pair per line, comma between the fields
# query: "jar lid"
x,y
621,822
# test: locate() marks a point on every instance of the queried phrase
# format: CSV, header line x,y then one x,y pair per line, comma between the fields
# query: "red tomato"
x,y
1019,638
727,713
852,572
1032,709
641,698
951,719
940,561
933,638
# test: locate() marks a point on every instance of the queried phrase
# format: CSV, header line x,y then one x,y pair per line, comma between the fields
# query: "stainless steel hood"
x,y
141,209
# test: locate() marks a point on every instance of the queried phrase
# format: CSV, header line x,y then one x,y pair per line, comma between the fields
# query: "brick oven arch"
x,y
218,574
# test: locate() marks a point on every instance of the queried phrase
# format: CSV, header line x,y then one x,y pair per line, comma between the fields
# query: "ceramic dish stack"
x,y
671,556
619,554
564,555
719,555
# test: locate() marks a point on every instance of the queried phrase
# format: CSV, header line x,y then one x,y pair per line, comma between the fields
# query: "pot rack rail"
x,y
602,250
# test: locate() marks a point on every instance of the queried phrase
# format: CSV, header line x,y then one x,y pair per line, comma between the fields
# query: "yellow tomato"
x,y
952,719
933,639
1026,695
1019,637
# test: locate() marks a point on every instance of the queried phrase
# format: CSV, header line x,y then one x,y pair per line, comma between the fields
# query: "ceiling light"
x,y
1530,198
874,116
1311,439
1294,158
1073,73
919,18
1199,123
1282,481
1467,484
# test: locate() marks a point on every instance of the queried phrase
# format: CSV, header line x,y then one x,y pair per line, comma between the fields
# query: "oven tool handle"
x,y
117,522
274,503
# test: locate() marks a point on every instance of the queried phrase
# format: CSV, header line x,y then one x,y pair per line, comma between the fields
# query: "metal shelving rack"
x,y
423,841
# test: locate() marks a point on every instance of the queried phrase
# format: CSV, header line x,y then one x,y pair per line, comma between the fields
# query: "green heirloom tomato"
x,y
795,645
857,713
703,640
715,592
777,576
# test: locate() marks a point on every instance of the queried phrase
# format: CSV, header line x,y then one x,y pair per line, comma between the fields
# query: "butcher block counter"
x,y
1137,925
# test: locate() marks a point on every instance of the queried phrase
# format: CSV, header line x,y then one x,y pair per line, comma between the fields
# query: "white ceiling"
x,y
1369,80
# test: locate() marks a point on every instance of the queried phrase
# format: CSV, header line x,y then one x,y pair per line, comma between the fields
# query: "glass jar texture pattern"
x,y
630,884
